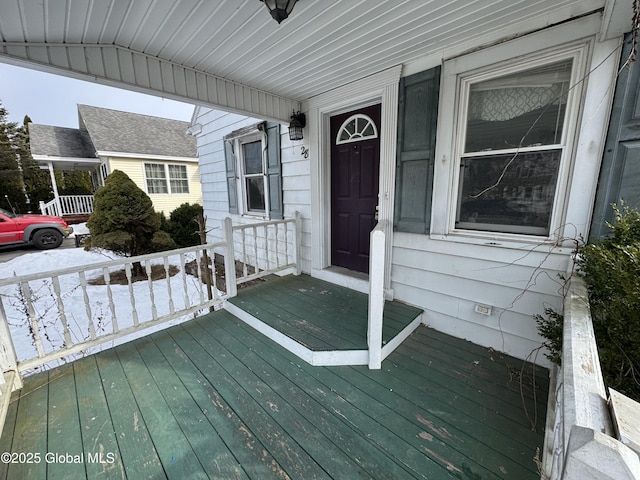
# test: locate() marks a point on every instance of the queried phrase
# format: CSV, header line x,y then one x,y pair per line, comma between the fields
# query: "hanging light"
x,y
279,9
298,122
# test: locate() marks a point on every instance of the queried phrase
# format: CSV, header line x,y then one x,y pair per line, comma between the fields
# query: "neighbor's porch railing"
x,y
68,205
580,439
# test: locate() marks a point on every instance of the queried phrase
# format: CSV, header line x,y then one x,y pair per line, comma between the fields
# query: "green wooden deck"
x,y
318,314
213,398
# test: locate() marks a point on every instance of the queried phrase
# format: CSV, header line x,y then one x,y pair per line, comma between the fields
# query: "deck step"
x,y
322,323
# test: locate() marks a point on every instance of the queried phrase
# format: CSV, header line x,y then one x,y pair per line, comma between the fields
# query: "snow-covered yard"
x,y
107,307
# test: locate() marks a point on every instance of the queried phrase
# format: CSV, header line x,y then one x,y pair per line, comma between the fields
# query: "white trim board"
x,y
379,88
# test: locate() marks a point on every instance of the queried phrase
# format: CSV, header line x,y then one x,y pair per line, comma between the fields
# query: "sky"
x,y
51,99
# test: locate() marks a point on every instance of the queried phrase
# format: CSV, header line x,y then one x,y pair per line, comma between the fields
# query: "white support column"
x,y
54,185
298,239
377,262
229,259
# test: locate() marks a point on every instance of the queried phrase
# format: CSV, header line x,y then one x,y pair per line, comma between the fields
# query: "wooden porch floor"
x,y
213,398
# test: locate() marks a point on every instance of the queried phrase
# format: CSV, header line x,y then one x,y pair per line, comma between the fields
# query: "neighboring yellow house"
x,y
156,153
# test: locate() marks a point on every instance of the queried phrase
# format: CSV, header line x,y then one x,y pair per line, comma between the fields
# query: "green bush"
x,y
550,327
182,225
123,219
611,268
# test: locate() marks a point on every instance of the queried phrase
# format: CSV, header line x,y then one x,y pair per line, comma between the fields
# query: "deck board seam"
x,y
337,418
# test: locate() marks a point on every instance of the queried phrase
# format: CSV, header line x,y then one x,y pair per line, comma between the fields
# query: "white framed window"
x,y
254,171
254,186
515,132
166,178
178,180
355,128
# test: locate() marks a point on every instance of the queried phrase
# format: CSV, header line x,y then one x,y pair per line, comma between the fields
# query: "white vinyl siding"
x,y
162,202
295,176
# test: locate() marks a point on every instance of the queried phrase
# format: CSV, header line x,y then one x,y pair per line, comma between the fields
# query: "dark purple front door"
x,y
355,169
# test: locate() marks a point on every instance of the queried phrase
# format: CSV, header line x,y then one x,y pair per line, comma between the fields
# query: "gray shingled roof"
x,y
123,132
60,142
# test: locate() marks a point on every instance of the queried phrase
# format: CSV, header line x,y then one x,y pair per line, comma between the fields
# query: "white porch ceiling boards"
x,y
232,55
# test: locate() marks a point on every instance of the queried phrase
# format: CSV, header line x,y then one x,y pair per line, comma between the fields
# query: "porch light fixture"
x,y
298,122
279,9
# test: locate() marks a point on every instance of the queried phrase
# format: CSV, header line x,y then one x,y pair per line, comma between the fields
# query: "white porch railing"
x,y
265,248
68,205
63,313
376,293
580,441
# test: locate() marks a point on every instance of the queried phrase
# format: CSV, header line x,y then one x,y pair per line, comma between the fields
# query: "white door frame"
x,y
379,88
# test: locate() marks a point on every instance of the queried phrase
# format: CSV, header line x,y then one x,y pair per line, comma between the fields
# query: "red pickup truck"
x,y
41,231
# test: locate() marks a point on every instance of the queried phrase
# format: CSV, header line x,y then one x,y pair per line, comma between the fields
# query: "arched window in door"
x,y
356,128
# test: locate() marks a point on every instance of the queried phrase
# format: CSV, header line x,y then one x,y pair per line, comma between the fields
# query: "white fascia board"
x,y
52,158
115,65
616,19
70,160
147,156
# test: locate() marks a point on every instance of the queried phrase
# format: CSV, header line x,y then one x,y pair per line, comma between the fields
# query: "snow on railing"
x,y
73,310
68,205
267,247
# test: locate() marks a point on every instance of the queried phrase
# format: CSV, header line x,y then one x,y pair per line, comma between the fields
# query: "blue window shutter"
x,y
620,170
274,171
417,116
232,182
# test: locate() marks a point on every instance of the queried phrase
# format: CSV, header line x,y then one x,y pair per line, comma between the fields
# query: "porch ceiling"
x,y
232,55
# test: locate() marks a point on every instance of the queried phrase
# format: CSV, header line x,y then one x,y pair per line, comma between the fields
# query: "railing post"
x,y
376,294
8,356
298,239
229,259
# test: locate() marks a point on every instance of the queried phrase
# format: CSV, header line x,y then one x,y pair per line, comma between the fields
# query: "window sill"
x,y
506,241
255,216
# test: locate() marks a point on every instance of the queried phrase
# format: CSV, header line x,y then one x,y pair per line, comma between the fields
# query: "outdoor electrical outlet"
x,y
483,309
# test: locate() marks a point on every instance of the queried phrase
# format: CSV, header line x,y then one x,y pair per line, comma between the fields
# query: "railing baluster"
x,y
266,247
286,244
33,320
244,253
112,306
200,274
255,250
172,308
275,233
87,305
63,317
183,269
154,309
132,297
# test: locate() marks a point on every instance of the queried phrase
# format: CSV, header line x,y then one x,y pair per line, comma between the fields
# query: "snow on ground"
x,y
183,290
